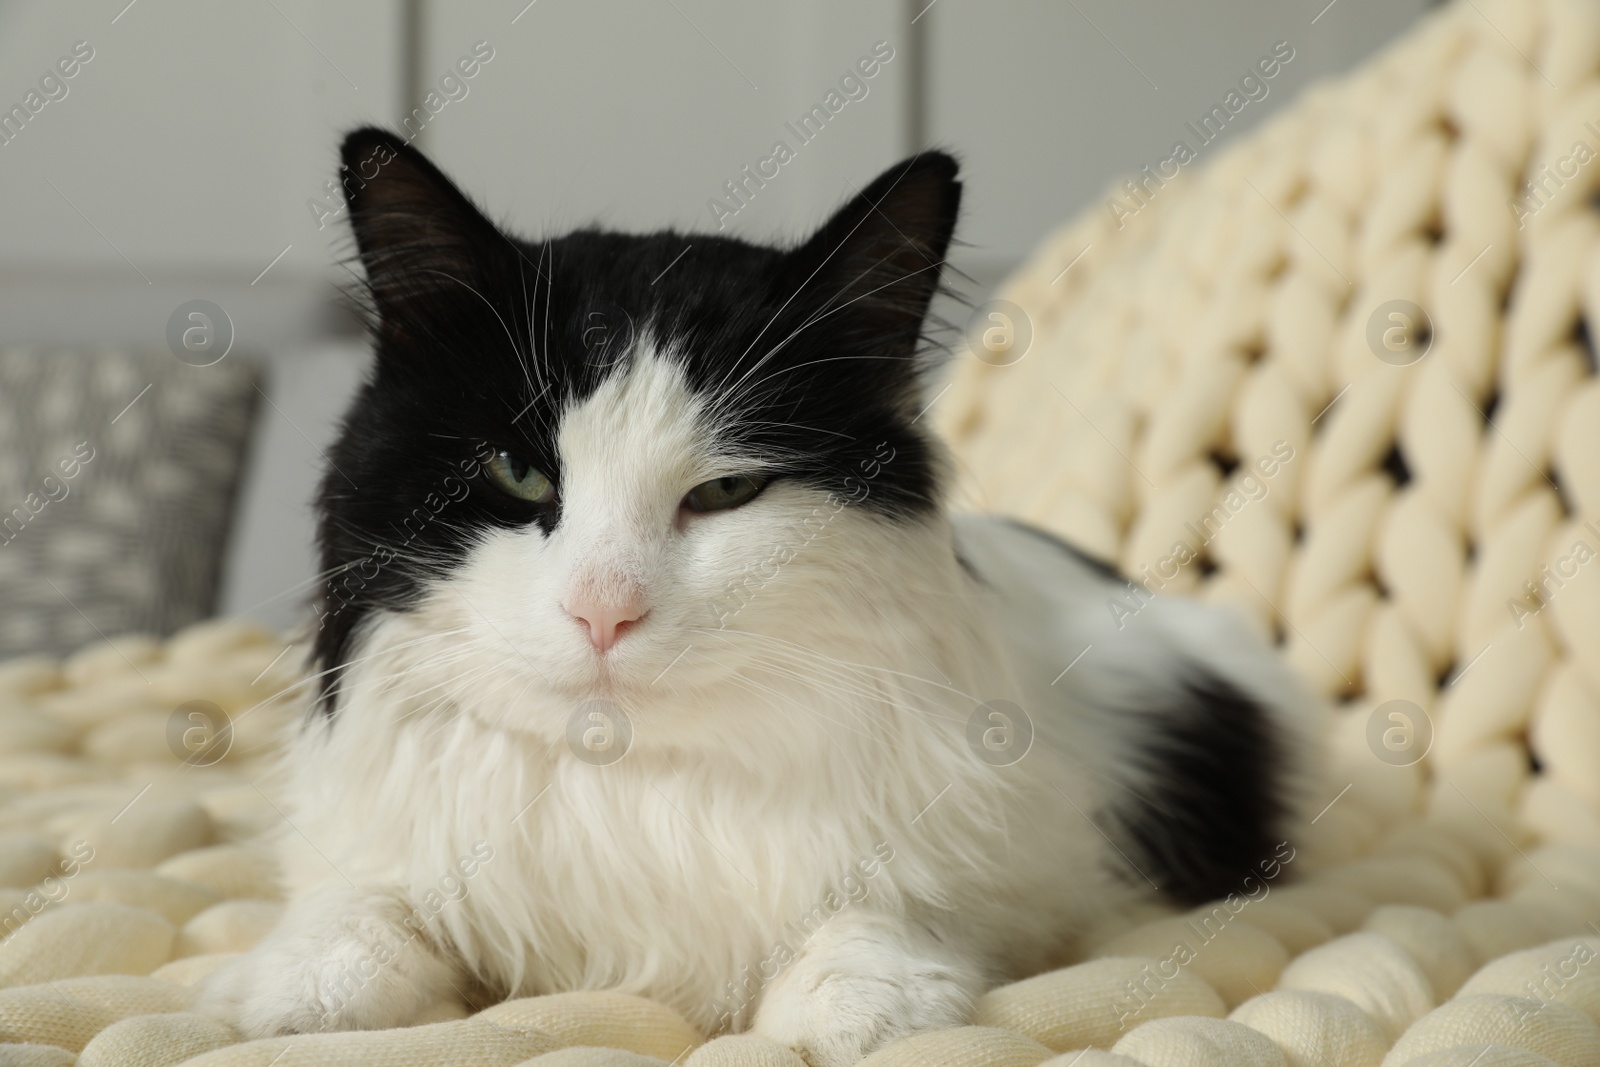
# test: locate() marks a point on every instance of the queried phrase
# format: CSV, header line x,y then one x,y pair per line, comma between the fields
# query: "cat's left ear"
x,y
875,264
417,233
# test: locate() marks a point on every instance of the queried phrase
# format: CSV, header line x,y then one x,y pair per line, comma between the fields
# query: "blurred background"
x,y
170,259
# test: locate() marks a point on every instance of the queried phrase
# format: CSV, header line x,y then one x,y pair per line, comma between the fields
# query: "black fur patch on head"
x,y
811,358
1216,803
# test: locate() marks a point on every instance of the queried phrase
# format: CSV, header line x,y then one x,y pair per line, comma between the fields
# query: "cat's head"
x,y
582,456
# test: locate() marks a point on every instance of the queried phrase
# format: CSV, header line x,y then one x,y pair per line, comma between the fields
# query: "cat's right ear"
x,y
417,234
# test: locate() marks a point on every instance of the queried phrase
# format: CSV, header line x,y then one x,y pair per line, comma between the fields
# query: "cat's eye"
x,y
515,476
720,494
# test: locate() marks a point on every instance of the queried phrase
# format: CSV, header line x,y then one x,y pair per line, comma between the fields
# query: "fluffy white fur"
x,y
799,782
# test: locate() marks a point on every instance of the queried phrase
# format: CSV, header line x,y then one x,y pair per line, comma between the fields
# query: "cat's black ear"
x,y
416,232
875,265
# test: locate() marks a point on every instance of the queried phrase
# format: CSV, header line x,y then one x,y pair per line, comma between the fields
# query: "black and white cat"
x,y
653,661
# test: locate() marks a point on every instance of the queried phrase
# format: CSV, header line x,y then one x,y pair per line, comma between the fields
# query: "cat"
x,y
652,660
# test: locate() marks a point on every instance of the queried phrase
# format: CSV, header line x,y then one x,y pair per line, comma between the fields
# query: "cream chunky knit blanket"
x,y
1229,411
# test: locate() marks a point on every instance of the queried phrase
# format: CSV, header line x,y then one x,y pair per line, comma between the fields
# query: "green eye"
x,y
720,494
514,476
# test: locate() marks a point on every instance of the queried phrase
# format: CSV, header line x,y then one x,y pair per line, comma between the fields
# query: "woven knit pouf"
x,y
1344,379
1340,377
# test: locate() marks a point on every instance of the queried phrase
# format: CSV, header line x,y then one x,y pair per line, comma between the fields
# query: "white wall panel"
x,y
633,113
194,136
1048,102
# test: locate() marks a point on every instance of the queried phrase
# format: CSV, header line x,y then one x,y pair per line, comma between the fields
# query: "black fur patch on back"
x,y
1101,567
1215,804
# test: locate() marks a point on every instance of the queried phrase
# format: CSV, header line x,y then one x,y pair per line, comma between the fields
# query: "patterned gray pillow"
x,y
117,479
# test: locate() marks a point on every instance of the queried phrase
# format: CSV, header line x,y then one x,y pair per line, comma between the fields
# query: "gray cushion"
x,y
113,518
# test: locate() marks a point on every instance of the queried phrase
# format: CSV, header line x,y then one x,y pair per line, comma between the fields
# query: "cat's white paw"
x,y
321,970
836,1008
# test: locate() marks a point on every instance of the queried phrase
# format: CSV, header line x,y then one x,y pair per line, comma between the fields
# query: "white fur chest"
x,y
661,874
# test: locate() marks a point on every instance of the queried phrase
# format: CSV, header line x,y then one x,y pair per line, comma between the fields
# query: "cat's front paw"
x,y
834,1017
262,994
349,971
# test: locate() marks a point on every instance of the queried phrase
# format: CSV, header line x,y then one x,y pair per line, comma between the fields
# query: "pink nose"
x,y
606,622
